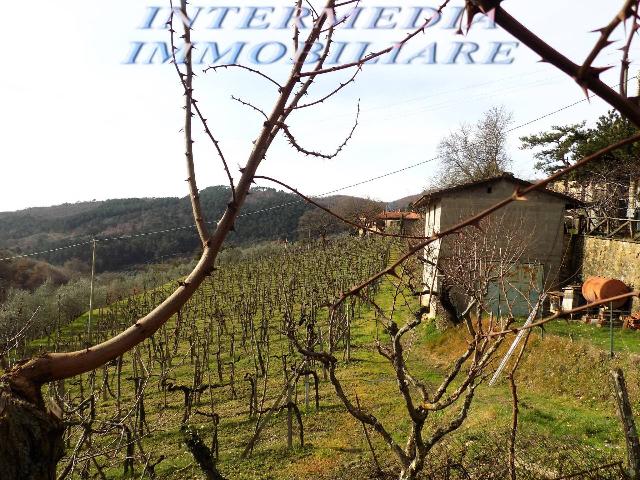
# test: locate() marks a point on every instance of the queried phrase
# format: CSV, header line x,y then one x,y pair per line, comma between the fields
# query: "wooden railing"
x,y
609,227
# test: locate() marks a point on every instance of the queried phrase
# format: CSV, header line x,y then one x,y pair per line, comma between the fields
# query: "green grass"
x,y
624,340
563,386
71,330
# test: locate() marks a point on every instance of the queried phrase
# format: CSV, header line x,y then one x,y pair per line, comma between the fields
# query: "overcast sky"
x,y
79,123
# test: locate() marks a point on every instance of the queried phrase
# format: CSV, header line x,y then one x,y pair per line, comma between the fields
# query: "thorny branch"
x,y
25,379
215,68
373,55
187,84
625,63
332,93
628,10
328,156
588,79
250,105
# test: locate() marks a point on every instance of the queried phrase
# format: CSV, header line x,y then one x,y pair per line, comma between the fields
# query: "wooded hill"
x,y
36,229
268,215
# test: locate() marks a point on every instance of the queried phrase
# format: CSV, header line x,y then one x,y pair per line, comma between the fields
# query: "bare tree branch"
x,y
187,84
296,145
26,378
588,79
332,213
215,68
627,11
379,53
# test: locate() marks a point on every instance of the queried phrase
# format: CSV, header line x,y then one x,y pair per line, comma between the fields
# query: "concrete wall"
x,y
610,258
540,219
431,253
539,222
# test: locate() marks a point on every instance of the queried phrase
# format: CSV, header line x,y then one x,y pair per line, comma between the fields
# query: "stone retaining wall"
x,y
605,257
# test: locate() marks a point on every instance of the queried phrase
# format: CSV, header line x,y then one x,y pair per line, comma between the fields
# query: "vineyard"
x,y
227,349
379,356
224,379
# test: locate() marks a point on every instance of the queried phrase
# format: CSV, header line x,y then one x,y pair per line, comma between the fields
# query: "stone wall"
x,y
611,258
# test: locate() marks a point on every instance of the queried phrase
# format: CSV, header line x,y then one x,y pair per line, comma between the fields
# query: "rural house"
x,y
533,229
397,221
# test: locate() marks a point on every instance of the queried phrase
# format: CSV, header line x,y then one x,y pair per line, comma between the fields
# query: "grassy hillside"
x,y
567,415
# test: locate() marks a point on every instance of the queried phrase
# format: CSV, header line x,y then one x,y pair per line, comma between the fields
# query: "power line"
x,y
477,96
587,98
51,250
408,167
262,210
378,177
447,102
549,114
89,242
346,187
522,125
443,93
466,99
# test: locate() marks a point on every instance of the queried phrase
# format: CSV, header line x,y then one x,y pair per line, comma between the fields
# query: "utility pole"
x,y
93,272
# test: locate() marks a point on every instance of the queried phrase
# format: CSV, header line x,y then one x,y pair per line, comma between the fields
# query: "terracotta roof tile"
x,y
397,215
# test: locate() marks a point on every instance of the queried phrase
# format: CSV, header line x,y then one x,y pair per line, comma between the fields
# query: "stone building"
x,y
534,228
397,221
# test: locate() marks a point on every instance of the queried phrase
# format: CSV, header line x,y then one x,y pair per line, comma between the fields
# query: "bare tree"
x,y
317,223
337,215
476,152
32,436
21,385
359,210
480,267
481,262
421,401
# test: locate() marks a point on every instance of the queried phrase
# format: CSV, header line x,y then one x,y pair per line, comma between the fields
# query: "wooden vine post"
x,y
625,413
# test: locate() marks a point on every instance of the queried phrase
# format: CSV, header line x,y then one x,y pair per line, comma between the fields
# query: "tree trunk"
x,y
408,474
31,442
